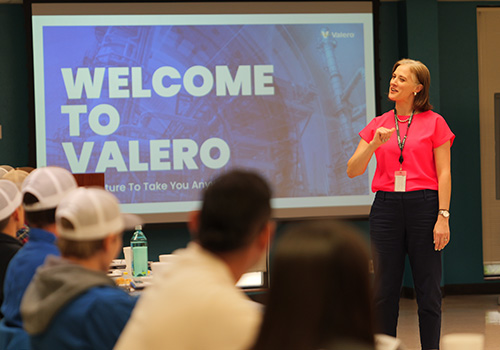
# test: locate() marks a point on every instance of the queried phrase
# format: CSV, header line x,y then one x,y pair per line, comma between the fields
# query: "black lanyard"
x,y
401,144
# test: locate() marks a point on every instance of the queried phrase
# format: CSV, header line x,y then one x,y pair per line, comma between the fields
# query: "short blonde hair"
x,y
423,76
78,249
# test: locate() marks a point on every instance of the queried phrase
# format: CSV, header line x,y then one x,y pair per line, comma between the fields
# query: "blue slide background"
x,y
300,138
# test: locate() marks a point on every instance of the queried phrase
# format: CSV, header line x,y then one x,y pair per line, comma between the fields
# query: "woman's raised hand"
x,y
382,135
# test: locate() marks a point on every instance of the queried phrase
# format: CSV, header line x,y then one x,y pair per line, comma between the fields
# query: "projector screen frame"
x,y
357,211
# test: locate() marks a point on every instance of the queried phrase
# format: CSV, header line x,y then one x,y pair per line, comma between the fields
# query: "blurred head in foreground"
x,y
320,290
234,220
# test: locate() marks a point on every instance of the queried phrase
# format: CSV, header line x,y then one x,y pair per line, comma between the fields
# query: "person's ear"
x,y
271,230
107,241
110,241
17,214
194,223
267,234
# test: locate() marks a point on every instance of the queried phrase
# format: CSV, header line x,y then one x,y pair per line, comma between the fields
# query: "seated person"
x,y
42,191
194,303
321,295
71,302
11,220
17,176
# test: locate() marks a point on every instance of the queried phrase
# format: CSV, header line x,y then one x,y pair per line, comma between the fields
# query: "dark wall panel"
x,y
13,87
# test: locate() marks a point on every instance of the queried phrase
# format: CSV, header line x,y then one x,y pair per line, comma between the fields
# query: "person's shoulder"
x,y
5,239
233,304
389,113
107,295
9,245
40,237
7,252
102,302
378,121
229,312
35,254
383,117
430,114
431,118
387,117
21,260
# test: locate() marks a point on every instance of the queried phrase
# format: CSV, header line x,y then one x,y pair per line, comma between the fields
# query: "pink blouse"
x,y
428,130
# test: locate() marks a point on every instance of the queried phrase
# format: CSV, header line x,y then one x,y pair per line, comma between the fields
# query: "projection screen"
x,y
161,97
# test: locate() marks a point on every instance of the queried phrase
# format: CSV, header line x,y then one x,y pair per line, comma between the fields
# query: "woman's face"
x,y
403,85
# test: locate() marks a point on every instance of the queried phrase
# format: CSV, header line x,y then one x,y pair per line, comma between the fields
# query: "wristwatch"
x,y
444,212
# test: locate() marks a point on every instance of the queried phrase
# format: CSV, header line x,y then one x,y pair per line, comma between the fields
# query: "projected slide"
x,y
163,103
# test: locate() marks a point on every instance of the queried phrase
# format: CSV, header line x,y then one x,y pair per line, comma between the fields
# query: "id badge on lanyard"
x,y
400,181
400,175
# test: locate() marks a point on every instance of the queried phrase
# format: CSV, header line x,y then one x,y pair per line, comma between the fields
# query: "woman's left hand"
x,y
441,233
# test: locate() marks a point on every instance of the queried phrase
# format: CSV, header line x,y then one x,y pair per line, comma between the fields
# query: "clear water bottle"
x,y
139,245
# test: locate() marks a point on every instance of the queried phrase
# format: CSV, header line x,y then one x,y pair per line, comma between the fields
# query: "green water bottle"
x,y
139,245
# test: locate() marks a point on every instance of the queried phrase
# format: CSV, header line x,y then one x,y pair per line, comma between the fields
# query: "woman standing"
x,y
410,212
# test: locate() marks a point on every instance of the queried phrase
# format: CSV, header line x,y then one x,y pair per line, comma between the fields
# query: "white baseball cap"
x,y
10,198
92,213
49,185
17,176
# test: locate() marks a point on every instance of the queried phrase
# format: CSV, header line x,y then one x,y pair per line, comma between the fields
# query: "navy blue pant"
x,y
402,223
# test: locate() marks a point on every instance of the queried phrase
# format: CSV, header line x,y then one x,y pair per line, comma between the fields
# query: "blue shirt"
x,y
21,270
92,321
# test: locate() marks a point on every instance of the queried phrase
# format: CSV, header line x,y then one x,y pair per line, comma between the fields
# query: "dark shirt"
x,y
8,248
